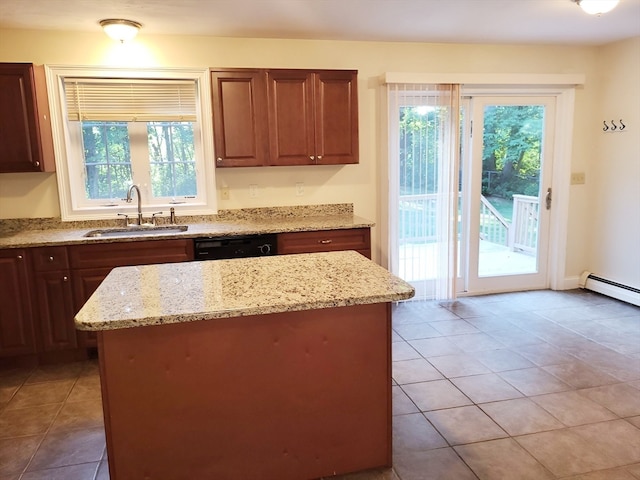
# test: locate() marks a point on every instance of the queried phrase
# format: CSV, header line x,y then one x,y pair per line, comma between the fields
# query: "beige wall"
x,y
35,195
614,177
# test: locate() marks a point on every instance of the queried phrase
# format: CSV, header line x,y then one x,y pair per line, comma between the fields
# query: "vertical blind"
x,y
127,100
423,190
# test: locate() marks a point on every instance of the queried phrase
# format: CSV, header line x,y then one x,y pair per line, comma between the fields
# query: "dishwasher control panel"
x,y
217,248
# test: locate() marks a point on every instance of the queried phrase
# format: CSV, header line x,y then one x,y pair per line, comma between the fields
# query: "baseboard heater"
x,y
626,293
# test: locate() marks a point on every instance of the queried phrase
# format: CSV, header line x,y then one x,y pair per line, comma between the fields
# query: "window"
x,y
116,128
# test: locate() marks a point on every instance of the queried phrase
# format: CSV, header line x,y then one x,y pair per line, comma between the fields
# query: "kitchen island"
x,y
265,368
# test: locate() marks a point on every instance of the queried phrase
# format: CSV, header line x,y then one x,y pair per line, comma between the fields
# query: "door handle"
x,y
548,198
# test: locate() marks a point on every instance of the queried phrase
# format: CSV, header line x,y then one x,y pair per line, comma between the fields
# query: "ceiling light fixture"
x,y
597,7
120,29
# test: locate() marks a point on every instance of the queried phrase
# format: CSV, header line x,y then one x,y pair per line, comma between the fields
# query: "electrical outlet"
x,y
224,193
577,178
253,190
299,189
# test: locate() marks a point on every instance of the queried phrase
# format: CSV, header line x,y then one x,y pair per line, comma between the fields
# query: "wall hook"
x,y
606,127
613,125
622,125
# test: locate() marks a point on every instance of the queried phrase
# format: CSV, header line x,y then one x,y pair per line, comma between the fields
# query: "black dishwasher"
x,y
217,248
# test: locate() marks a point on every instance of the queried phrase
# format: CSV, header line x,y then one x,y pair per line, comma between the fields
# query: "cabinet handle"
x,y
325,242
319,157
219,159
19,257
65,279
311,157
51,259
37,164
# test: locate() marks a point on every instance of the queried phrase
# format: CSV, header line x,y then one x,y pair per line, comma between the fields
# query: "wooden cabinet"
x,y
54,298
358,239
239,117
16,319
313,117
26,143
285,117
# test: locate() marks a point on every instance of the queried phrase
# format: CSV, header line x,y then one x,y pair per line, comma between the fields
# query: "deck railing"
x,y
418,213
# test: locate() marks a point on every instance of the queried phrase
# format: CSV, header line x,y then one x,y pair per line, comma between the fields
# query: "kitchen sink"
x,y
136,231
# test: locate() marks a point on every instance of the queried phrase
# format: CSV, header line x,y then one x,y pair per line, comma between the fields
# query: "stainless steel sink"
x,y
136,231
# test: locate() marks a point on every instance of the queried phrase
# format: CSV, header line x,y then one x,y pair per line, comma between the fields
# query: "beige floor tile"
x,y
565,453
620,398
401,403
609,474
635,421
414,371
79,415
414,433
435,395
86,388
634,470
515,337
376,474
573,409
69,447
475,342
7,393
490,323
41,394
521,416
85,471
403,351
15,454
414,331
579,375
465,425
440,464
103,471
51,373
534,381
502,360
435,347
502,459
485,388
462,365
543,354
617,439
27,421
454,327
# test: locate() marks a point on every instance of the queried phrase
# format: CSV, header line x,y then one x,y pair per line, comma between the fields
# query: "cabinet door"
x,y
239,117
16,325
336,117
291,117
55,305
24,145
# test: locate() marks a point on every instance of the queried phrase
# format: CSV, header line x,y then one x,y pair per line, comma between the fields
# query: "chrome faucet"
x,y
137,189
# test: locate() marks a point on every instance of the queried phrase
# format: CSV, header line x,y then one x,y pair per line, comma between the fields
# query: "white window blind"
x,y
126,100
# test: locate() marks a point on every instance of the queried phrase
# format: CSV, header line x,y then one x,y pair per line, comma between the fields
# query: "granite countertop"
x,y
191,291
240,222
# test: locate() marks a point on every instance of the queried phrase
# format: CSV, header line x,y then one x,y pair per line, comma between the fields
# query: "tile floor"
x,y
531,385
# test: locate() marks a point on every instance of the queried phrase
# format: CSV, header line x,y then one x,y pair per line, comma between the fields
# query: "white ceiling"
x,y
441,21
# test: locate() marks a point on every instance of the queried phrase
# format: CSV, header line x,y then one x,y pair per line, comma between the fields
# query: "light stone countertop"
x,y
75,236
192,291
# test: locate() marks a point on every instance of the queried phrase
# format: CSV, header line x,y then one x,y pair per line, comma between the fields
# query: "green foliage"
x,y
172,159
512,142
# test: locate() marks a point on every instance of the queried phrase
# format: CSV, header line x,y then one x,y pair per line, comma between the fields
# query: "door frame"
x,y
560,172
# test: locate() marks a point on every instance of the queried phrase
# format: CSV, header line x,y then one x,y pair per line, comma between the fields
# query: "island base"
x,y
294,395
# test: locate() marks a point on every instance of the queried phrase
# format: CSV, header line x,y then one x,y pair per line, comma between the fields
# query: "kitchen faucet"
x,y
137,189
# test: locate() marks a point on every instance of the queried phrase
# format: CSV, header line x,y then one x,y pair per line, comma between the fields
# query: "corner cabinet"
x,y
313,117
285,117
26,143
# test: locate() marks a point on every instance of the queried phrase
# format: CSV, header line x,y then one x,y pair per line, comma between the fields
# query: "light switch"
x,y
577,178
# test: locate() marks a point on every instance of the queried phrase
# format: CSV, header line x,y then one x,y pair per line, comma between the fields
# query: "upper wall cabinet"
x,y
313,117
240,129
285,117
25,128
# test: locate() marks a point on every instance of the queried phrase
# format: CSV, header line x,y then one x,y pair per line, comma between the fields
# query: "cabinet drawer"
x,y
326,241
49,259
130,253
